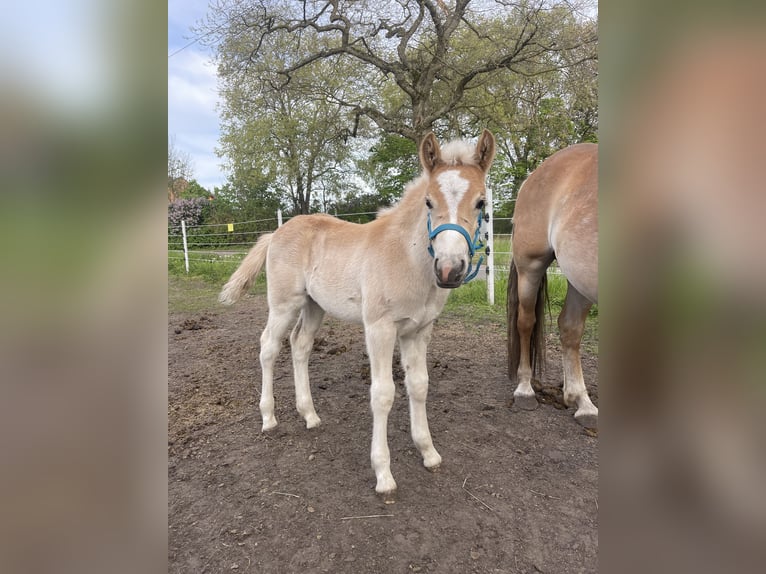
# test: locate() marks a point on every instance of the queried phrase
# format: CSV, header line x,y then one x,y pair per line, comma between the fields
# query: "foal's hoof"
x,y
588,420
432,461
526,402
269,424
313,422
387,497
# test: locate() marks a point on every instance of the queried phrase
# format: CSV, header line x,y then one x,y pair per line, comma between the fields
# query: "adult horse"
x,y
391,274
556,217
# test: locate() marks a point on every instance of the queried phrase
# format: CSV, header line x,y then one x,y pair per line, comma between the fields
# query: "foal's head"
x,y
455,198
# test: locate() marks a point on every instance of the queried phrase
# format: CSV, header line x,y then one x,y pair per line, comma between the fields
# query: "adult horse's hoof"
x,y
526,402
588,420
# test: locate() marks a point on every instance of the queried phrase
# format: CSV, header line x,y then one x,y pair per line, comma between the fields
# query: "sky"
x,y
192,93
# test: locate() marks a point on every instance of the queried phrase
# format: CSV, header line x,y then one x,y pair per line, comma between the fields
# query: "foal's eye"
x,y
429,205
480,204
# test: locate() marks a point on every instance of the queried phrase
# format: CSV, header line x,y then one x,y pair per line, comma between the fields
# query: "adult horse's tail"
x,y
248,270
537,340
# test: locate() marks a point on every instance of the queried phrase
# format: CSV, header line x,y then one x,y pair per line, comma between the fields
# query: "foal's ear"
x,y
430,152
485,150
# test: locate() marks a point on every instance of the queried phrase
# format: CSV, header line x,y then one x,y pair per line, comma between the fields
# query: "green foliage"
x,y
393,162
194,190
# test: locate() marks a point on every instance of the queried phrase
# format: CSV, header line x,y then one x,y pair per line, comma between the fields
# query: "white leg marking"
x,y
381,338
413,350
271,342
301,343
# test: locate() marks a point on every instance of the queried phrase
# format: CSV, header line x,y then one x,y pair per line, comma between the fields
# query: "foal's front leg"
x,y
413,350
381,338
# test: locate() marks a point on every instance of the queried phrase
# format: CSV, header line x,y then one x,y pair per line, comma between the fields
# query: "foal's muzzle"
x,y
449,272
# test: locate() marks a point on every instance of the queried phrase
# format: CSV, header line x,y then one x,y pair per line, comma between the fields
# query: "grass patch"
x,y
198,291
208,266
191,294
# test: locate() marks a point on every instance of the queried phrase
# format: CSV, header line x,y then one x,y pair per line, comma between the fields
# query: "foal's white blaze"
x,y
453,187
450,247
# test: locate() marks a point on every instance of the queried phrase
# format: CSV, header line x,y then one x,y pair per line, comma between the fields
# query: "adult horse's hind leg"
x,y
571,327
529,283
413,350
281,316
301,343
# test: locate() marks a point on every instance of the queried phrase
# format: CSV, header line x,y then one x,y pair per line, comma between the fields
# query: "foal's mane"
x,y
454,153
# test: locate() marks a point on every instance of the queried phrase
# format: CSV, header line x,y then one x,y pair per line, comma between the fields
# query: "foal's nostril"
x,y
457,272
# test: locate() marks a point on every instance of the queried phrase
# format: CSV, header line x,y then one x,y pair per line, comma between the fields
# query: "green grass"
x,y
191,294
208,266
198,291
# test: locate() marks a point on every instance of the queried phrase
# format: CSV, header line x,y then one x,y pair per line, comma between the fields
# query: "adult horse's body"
x,y
556,217
391,274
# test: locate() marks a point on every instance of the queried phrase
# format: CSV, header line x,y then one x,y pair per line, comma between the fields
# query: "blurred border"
x,y
683,368
83,376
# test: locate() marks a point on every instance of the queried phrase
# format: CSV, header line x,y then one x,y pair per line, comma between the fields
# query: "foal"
x,y
392,275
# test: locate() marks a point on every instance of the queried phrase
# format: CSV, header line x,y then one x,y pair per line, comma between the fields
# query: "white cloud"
x,y
193,94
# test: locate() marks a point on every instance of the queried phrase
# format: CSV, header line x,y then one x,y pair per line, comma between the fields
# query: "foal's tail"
x,y
248,270
537,340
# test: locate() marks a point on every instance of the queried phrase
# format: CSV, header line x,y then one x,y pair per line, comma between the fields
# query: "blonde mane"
x,y
457,152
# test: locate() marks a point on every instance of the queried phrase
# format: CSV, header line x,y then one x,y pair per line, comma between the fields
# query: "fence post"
x,y
491,247
279,218
186,249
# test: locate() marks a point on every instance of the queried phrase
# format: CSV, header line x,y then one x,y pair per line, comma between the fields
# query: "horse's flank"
x,y
556,217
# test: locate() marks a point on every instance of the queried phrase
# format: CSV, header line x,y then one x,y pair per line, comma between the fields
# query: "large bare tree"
x,y
420,57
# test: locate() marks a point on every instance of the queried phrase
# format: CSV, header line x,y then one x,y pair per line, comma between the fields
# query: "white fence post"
x,y
279,218
491,245
186,249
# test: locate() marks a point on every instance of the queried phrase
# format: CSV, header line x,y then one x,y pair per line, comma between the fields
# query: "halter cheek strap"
x,y
473,244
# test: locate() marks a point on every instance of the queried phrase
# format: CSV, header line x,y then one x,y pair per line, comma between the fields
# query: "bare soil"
x,y
516,492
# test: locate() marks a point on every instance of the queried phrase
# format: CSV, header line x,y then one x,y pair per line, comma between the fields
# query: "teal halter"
x,y
474,244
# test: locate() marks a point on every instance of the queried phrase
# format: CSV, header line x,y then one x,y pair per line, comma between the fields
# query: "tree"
x,y
292,135
179,170
414,78
393,162
550,104
194,190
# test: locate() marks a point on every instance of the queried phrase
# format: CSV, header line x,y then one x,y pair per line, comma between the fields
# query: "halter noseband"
x,y
473,244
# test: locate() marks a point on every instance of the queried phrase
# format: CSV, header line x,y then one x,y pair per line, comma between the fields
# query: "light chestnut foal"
x,y
556,217
381,274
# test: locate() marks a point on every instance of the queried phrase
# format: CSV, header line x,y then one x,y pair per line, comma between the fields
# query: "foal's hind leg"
x,y
529,284
280,318
301,342
571,327
413,350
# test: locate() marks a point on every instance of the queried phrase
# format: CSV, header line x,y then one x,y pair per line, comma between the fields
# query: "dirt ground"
x,y
516,491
